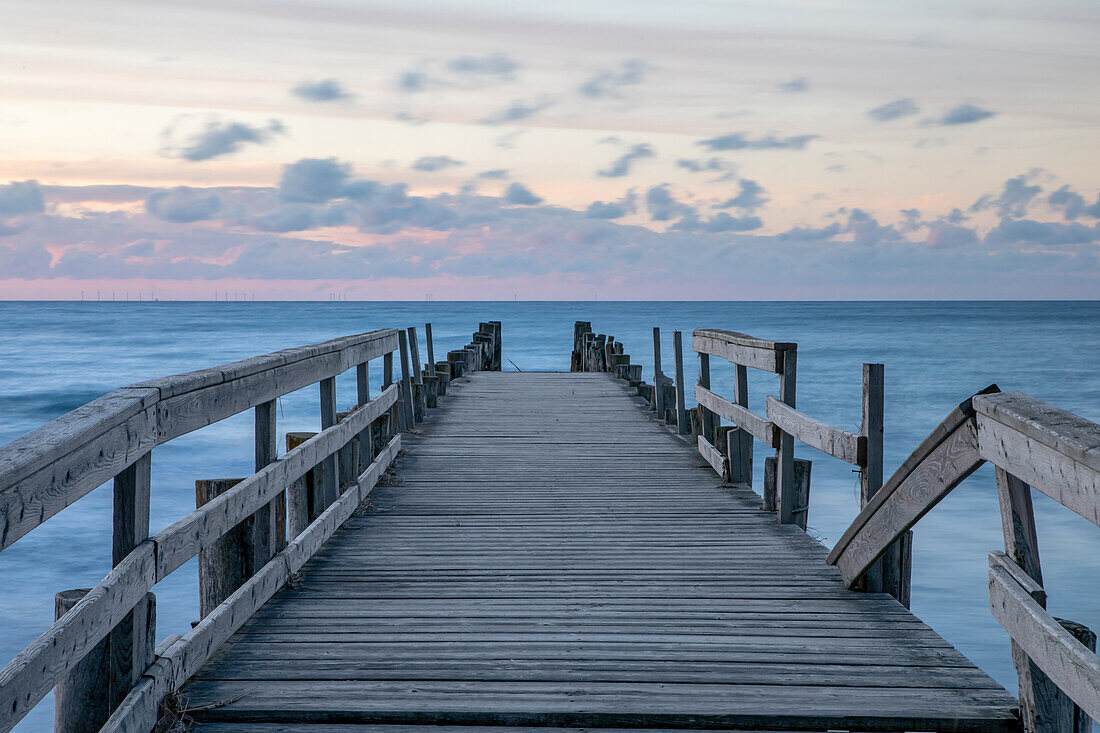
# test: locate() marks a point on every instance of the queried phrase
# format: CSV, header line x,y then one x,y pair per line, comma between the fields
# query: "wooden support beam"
x,y
266,541
129,644
801,476
430,365
682,425
407,414
331,488
362,393
706,416
657,404
788,502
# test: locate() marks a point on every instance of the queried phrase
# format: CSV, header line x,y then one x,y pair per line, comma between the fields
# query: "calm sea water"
x,y
57,356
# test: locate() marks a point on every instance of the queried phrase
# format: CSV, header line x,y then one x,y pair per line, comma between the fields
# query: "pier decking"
x,y
551,556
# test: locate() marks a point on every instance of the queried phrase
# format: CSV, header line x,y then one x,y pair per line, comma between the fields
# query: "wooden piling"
x,y
800,502
430,365
266,541
362,392
784,479
231,560
85,697
328,419
657,403
408,419
682,425
739,442
708,419
577,360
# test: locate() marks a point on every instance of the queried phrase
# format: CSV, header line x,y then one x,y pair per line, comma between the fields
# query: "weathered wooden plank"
x,y
183,539
760,428
1048,448
848,447
1067,662
713,456
33,672
892,513
739,348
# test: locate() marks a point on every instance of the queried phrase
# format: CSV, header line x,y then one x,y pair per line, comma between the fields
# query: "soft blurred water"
x,y
55,356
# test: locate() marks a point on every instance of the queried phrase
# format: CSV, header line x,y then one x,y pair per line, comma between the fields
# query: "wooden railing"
x,y
1032,444
48,469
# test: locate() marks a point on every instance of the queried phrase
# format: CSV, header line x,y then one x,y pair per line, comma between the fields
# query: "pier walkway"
x,y
549,555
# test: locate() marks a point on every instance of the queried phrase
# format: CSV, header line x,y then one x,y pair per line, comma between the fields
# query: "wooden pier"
x,y
481,550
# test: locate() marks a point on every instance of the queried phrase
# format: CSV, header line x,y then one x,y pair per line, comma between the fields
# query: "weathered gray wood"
x,y
739,455
267,527
228,561
362,397
801,489
1048,448
305,498
892,513
330,485
33,672
408,413
784,455
740,348
1072,666
848,447
682,425
128,644
706,416
183,539
759,427
657,402
431,348
498,345
712,456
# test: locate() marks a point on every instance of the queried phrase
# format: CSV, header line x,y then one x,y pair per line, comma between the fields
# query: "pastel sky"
x,y
700,149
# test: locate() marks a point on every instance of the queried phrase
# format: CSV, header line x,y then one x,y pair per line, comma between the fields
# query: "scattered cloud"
x,y
621,165
720,222
750,197
432,163
943,235
321,90
742,141
796,85
215,138
497,174
413,81
183,204
517,111
628,204
725,169
964,114
314,180
496,65
1014,199
1029,231
609,83
663,206
517,193
894,110
21,197
1072,204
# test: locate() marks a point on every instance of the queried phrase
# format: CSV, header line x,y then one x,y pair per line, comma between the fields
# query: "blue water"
x,y
57,356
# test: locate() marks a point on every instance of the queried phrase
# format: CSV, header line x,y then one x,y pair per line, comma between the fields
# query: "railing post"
x,y
784,457
330,476
407,415
682,426
394,425
891,573
265,540
657,403
130,644
362,394
738,440
707,418
430,365
230,561
418,391
1043,707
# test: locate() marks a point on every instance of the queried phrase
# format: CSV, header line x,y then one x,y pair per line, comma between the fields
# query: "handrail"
x,y
51,467
848,447
740,348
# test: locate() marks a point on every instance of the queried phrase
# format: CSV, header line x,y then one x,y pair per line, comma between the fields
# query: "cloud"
x,y
182,204
498,174
964,114
750,197
741,141
517,193
217,139
628,204
1014,199
621,165
796,85
494,65
720,222
322,90
1028,231
518,110
609,84
432,163
413,81
314,180
663,206
1072,204
894,110
725,169
21,197
942,235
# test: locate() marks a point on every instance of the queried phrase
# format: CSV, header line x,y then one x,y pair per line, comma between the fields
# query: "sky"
x,y
316,149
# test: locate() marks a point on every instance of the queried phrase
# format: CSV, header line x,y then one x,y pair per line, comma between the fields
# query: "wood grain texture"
x,y
760,428
496,584
848,447
740,348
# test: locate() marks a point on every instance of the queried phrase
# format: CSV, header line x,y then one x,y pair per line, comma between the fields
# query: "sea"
x,y
56,356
